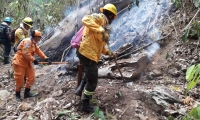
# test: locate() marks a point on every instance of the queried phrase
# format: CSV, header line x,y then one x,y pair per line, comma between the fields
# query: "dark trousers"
x,y
91,73
7,47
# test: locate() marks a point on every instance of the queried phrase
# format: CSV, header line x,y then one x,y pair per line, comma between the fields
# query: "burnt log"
x,y
55,45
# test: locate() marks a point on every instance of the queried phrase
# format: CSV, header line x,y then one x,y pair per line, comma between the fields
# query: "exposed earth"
x,y
117,100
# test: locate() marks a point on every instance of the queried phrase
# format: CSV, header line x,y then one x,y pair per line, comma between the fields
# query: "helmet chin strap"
x,y
108,26
21,25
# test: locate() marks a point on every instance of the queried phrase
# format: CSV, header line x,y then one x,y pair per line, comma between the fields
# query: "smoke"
x,y
134,25
152,49
140,23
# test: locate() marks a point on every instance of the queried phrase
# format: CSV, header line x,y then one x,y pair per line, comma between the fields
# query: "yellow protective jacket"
x,y
20,33
25,53
92,45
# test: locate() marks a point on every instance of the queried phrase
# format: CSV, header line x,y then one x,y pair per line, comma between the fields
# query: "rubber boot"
x,y
28,94
18,96
6,60
80,88
86,107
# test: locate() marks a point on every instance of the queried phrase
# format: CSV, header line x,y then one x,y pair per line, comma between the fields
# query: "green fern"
x,y
192,76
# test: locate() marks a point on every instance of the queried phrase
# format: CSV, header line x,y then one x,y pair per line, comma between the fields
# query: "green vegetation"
x,y
99,114
194,114
192,29
192,76
43,12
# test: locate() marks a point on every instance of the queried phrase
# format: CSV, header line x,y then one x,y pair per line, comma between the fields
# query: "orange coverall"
x,y
22,62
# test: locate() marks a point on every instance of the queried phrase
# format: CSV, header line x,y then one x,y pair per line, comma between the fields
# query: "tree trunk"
x,y
54,46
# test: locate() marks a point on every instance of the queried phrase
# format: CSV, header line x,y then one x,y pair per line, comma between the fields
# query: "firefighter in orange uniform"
x,y
22,63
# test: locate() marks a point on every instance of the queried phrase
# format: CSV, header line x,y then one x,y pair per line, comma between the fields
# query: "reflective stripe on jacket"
x,y
92,45
26,51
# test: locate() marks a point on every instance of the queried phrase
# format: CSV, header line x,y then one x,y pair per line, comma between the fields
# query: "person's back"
x,y
5,38
20,33
23,30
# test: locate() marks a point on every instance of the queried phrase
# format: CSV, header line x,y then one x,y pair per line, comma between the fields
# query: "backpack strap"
x,y
16,45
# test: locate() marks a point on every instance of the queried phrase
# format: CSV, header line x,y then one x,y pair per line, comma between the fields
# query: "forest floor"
x,y
117,100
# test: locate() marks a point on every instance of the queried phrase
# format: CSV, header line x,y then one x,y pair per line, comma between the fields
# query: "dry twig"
x,y
145,46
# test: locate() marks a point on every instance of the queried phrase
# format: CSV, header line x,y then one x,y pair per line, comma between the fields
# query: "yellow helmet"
x,y
110,7
28,21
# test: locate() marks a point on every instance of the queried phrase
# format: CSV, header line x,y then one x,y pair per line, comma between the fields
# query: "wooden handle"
x,y
53,62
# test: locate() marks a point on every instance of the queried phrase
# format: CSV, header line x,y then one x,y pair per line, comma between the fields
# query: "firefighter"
x,y
23,30
22,63
5,31
95,37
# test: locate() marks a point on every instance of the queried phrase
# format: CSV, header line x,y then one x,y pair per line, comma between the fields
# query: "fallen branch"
x,y
123,112
144,46
191,20
173,25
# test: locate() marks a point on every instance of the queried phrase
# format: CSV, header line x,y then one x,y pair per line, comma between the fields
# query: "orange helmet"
x,y
37,33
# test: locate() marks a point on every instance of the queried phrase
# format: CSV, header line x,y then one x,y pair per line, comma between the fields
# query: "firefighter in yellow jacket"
x,y
23,30
22,63
94,39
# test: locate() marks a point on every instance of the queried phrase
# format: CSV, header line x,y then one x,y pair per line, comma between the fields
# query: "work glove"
x,y
111,54
48,60
35,62
105,35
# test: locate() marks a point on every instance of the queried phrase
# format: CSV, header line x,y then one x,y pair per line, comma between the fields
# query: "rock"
x,y
40,104
159,98
180,111
174,72
156,73
104,72
131,67
25,106
57,93
4,94
67,106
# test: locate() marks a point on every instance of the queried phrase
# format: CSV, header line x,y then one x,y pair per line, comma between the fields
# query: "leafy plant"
x,y
170,118
185,35
194,114
99,114
43,12
177,3
192,76
30,118
192,31
167,56
60,113
196,2
195,31
137,2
